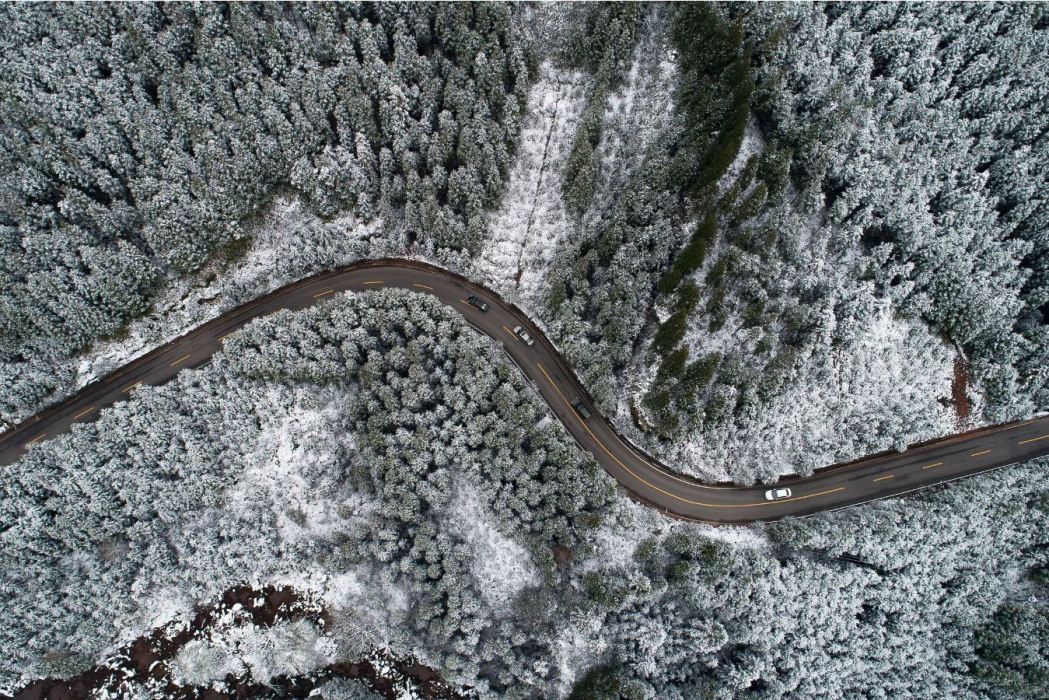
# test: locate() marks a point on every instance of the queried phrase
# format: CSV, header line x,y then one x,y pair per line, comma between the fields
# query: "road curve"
x,y
643,477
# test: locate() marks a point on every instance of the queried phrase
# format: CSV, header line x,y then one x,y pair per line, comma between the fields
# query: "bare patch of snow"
x,y
297,467
736,535
753,144
260,653
576,648
369,606
501,567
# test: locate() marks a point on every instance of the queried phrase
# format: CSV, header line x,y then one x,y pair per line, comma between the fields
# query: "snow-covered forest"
x,y
421,492
768,237
913,227
140,142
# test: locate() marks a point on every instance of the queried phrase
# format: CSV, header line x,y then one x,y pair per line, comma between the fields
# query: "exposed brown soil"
x,y
960,390
145,659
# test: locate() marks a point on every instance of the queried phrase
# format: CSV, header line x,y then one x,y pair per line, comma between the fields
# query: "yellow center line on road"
x,y
930,466
122,372
129,388
667,493
422,286
1037,439
375,282
84,413
883,478
247,308
38,438
669,474
513,334
977,454
327,291
179,360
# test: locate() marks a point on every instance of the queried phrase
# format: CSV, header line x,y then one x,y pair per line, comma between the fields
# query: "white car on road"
x,y
523,335
776,494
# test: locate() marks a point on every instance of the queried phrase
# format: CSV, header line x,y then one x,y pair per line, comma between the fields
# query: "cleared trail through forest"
x,y
643,477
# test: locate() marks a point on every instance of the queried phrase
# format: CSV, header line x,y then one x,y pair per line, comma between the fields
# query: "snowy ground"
x,y
753,144
531,220
259,653
291,243
638,111
501,567
526,231
300,456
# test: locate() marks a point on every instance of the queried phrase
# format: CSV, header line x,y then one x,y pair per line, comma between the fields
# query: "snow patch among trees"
x,y
254,652
501,567
889,388
292,473
639,110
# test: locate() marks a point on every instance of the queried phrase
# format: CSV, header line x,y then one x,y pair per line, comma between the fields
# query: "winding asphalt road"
x,y
643,477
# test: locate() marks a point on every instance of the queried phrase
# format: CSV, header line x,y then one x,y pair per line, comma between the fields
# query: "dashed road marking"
x,y
930,466
1037,439
982,452
327,291
129,388
888,476
84,413
179,360
422,286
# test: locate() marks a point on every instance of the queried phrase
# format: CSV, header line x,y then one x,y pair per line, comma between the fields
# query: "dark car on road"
x,y
581,408
477,303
